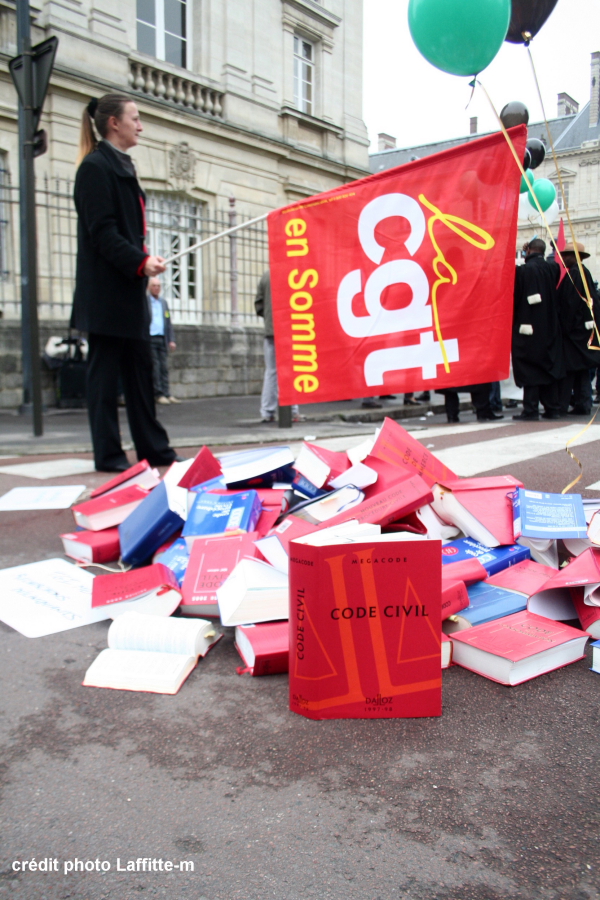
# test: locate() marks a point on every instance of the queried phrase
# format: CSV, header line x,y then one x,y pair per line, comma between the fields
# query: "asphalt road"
x,y
495,800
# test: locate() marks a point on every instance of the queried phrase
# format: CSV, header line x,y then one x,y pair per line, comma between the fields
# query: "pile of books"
x,y
361,574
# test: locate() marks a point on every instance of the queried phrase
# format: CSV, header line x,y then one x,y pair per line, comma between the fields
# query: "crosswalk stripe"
x,y
501,453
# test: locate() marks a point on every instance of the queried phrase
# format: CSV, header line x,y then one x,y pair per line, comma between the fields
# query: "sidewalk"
x,y
216,421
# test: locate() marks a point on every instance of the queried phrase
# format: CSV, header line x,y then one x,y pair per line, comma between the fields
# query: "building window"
x,y
162,30
304,75
559,198
174,224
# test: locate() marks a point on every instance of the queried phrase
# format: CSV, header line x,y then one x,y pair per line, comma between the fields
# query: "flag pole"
x,y
214,237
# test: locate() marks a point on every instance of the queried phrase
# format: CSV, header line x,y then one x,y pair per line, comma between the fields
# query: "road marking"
x,y
501,453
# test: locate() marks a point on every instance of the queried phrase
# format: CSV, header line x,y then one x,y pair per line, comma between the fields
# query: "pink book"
x,y
554,597
153,589
454,597
110,509
397,447
204,468
141,474
517,648
486,500
212,560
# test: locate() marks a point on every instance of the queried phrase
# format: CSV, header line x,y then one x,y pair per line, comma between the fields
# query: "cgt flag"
x,y
400,281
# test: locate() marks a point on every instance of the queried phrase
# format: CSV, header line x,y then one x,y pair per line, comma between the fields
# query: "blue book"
x,y
595,667
176,558
222,514
212,484
537,514
493,559
486,603
260,465
158,516
305,487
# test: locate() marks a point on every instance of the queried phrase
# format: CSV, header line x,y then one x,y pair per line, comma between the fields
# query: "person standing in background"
x,y
577,323
537,345
161,341
270,389
109,301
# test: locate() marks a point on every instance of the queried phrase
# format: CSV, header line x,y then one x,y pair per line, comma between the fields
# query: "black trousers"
x,y
480,398
108,358
546,394
578,384
160,366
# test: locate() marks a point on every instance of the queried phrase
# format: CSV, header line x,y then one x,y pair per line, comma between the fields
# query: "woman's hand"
x,y
154,266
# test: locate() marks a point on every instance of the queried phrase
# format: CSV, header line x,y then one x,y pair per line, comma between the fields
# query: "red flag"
x,y
401,281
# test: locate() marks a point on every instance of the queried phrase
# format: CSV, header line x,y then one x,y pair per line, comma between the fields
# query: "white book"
x,y
150,653
543,550
314,469
275,553
330,505
436,528
359,475
243,464
254,592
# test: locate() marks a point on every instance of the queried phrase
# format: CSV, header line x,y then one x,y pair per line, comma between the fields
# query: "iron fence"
x,y
214,285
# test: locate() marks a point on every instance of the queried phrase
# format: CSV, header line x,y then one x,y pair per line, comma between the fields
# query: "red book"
x,y
319,464
467,570
527,577
454,597
212,559
387,476
263,647
397,447
141,474
267,520
93,546
365,626
589,616
275,547
486,500
517,648
204,468
388,506
109,510
153,589
555,598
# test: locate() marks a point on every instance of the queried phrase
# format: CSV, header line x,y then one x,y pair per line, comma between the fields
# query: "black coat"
x,y
110,295
538,357
574,313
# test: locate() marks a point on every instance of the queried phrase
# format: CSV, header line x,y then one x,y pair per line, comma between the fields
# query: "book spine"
x,y
515,496
303,584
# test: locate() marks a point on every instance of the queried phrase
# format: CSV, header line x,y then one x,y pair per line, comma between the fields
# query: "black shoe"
x,y
527,417
453,419
370,404
117,467
579,411
387,396
551,415
488,417
425,396
411,402
511,404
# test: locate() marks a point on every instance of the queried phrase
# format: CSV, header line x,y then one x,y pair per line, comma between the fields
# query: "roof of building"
x,y
388,159
578,131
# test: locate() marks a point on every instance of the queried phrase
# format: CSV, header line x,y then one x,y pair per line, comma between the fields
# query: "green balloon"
x,y
459,36
525,185
545,191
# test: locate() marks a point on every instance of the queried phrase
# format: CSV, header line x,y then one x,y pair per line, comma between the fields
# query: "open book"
x,y
150,653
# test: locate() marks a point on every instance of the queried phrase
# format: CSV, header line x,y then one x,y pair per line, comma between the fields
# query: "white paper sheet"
x,y
53,468
46,597
57,497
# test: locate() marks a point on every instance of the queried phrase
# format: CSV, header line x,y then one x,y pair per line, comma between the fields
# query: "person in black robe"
x,y
537,347
577,325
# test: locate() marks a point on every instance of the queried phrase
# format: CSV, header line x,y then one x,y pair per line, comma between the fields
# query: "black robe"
x,y
537,357
574,313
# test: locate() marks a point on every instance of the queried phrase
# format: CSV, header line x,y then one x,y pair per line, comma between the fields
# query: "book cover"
x,y
275,546
92,546
319,465
243,465
486,603
158,516
212,560
486,499
212,514
264,648
589,616
204,468
109,510
254,592
141,474
541,515
493,559
454,597
517,648
554,598
365,625
387,506
467,570
527,577
176,557
303,486
397,447
388,475
153,589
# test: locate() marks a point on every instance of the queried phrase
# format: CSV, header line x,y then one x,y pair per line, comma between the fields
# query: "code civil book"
x,y
365,628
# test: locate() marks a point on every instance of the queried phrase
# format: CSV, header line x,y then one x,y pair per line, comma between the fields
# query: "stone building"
x,y
576,136
246,104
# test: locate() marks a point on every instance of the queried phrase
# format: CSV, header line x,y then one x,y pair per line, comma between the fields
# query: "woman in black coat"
x,y
110,286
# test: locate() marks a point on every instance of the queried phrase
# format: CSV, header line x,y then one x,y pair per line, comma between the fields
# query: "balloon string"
x,y
572,455
588,298
545,221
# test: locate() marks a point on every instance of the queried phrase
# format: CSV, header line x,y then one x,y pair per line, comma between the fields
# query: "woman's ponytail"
x,y
97,113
